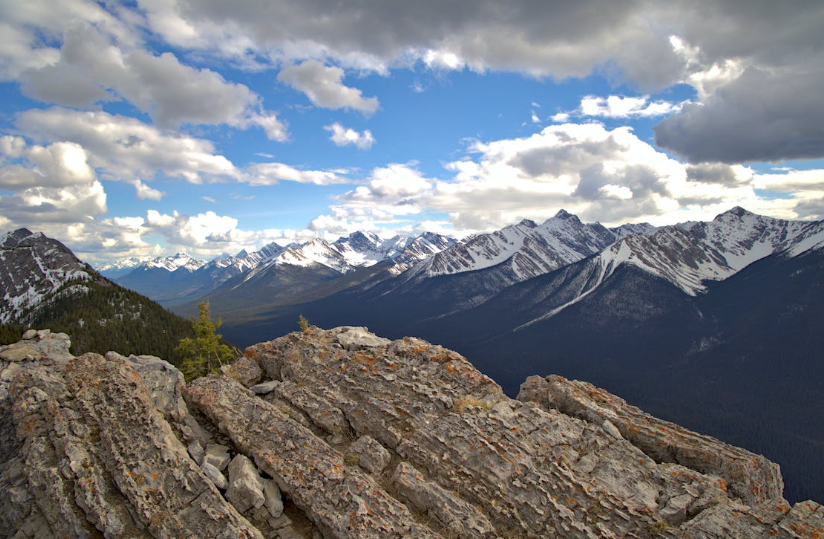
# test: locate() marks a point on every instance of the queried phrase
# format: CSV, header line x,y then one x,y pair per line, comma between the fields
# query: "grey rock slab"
x,y
264,388
371,455
97,454
359,338
20,352
245,485
343,502
217,455
244,370
750,477
29,334
214,475
453,513
196,451
273,499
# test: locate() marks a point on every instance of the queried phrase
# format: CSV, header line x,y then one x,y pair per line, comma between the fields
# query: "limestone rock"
x,y
245,485
244,370
360,338
196,452
264,388
217,455
371,455
214,475
272,498
453,513
86,453
29,334
750,477
114,447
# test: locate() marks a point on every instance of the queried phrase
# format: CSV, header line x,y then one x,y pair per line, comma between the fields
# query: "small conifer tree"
x,y
303,323
204,354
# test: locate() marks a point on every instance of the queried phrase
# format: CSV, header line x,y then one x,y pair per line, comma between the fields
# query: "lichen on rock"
x,y
344,434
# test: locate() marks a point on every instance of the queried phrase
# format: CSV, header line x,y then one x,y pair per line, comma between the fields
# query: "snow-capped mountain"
x,y
33,268
406,252
690,257
526,249
178,261
359,250
120,267
633,229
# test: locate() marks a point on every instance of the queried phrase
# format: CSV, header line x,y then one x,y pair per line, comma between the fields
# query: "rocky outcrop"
x,y
340,434
750,477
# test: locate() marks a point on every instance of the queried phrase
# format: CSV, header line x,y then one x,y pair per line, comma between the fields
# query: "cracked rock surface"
x,y
344,434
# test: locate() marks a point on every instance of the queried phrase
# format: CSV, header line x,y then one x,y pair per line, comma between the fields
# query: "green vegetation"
x,y
205,353
100,316
303,323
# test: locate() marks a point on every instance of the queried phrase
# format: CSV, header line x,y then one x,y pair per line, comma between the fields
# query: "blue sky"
x,y
156,126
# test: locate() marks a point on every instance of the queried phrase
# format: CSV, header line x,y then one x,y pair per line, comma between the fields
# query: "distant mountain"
x,y
716,325
316,269
162,278
119,268
45,285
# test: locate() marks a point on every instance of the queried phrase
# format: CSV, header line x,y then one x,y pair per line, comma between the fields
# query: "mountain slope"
x,y
45,285
162,278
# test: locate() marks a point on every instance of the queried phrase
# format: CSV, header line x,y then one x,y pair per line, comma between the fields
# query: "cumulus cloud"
x,y
390,195
35,206
124,147
143,191
344,136
324,87
597,173
782,119
616,106
91,68
57,165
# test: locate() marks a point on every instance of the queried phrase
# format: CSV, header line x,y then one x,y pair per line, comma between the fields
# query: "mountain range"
x,y
714,325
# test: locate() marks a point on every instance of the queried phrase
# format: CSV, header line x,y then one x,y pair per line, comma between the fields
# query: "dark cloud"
x,y
761,116
713,173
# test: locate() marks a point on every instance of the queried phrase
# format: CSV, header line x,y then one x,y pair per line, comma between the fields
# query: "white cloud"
x,y
272,173
123,147
143,191
616,106
560,117
344,136
324,87
91,69
534,118
210,200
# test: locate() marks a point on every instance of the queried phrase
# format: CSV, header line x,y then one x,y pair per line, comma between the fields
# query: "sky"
x,y
148,127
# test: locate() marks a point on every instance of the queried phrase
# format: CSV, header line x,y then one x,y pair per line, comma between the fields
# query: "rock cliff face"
x,y
342,434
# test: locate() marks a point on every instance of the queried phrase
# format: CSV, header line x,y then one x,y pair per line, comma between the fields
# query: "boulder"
x,y
370,454
245,485
217,455
359,338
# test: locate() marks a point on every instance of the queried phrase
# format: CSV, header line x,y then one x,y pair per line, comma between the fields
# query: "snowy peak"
x,y
418,249
120,267
178,261
525,249
32,268
688,257
633,229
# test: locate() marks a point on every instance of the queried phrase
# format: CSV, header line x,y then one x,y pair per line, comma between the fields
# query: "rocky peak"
x,y
12,239
343,434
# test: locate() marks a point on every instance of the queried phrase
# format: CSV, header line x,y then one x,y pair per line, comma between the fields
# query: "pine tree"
x,y
204,354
